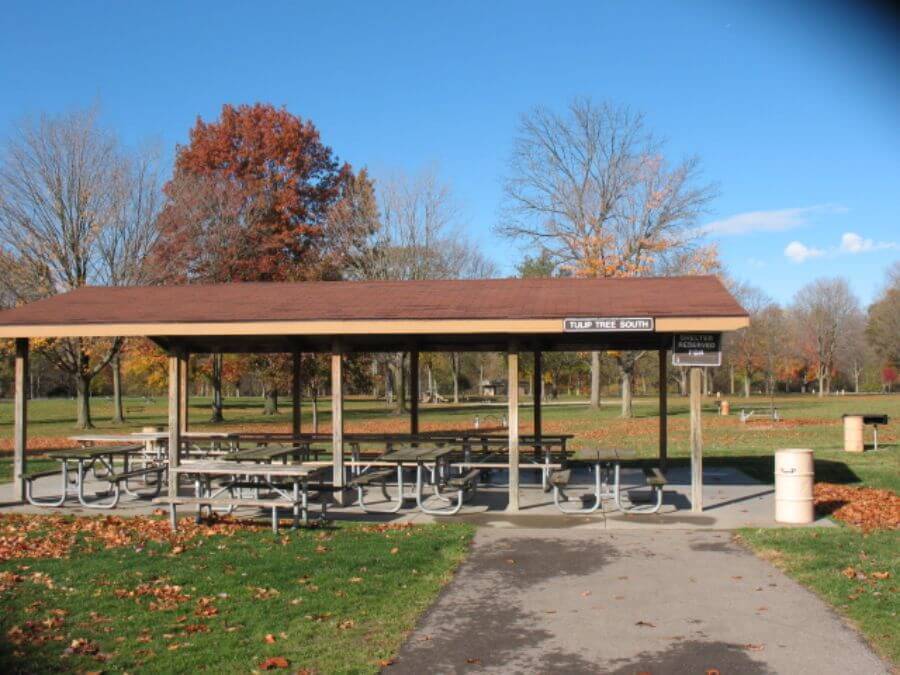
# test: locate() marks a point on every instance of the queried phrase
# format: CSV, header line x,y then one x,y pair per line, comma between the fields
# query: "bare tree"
x,y
883,327
75,209
420,235
821,311
592,189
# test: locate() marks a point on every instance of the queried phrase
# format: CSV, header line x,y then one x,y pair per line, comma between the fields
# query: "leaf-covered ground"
x,y
114,595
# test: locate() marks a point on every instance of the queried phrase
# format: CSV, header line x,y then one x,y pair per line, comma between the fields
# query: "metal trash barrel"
x,y
150,446
853,433
794,486
725,408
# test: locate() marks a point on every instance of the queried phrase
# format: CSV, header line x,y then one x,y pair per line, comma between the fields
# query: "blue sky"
x,y
795,111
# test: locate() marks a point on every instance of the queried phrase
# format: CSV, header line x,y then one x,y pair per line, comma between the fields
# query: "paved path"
x,y
587,601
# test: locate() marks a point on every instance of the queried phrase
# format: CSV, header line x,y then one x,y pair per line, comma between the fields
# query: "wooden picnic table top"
x,y
420,453
105,438
91,453
236,469
264,453
606,454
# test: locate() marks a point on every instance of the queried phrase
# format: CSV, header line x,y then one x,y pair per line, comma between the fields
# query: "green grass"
x,y
817,559
336,601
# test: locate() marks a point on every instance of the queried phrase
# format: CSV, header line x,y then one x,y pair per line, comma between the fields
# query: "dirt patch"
x,y
863,507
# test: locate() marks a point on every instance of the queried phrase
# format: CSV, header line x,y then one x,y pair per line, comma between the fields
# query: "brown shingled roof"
x,y
695,296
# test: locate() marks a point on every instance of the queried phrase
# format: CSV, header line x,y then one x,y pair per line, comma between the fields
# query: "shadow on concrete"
x,y
690,656
478,621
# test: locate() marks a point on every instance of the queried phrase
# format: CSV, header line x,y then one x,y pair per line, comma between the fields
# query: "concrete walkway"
x,y
655,601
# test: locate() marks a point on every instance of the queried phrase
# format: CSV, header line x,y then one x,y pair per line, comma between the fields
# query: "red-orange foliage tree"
x,y
250,199
253,198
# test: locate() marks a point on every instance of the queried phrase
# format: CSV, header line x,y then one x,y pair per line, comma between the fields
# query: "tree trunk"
x,y
627,410
821,383
682,381
83,402
315,410
216,380
118,415
595,379
271,401
746,385
388,385
399,367
855,381
731,378
454,364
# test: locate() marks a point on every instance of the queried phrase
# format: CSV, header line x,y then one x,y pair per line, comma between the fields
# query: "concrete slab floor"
x,y
731,500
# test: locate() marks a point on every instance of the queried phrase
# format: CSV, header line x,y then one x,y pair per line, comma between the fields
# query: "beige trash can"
x,y
794,486
152,447
853,433
725,408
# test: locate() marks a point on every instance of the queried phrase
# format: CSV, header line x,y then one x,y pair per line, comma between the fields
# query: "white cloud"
x,y
853,243
799,252
777,220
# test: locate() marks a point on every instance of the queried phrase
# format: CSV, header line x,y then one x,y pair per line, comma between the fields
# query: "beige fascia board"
x,y
370,327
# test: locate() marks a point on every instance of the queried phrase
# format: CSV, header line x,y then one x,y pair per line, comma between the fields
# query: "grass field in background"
x,y
808,422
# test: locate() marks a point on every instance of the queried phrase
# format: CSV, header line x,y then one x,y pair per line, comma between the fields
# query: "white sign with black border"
x,y
634,324
697,350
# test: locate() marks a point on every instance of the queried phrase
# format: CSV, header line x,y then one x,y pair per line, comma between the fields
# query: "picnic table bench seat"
x,y
654,477
379,477
467,481
372,477
111,477
656,481
560,478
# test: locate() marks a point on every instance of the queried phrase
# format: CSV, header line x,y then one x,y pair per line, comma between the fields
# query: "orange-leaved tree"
x,y
253,198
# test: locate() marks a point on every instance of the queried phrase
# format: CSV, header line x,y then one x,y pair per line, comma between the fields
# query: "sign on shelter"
x,y
608,325
702,350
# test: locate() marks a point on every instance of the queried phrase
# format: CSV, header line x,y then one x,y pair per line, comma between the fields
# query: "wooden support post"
x,y
295,395
512,390
663,409
537,394
414,391
176,368
20,414
337,422
696,442
183,394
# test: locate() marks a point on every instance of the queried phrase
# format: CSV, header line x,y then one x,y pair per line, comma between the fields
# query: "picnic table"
x,y
100,461
269,453
272,477
438,457
215,442
601,461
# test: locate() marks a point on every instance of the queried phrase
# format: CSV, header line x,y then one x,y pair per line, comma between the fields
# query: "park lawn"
x,y
857,573
335,599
